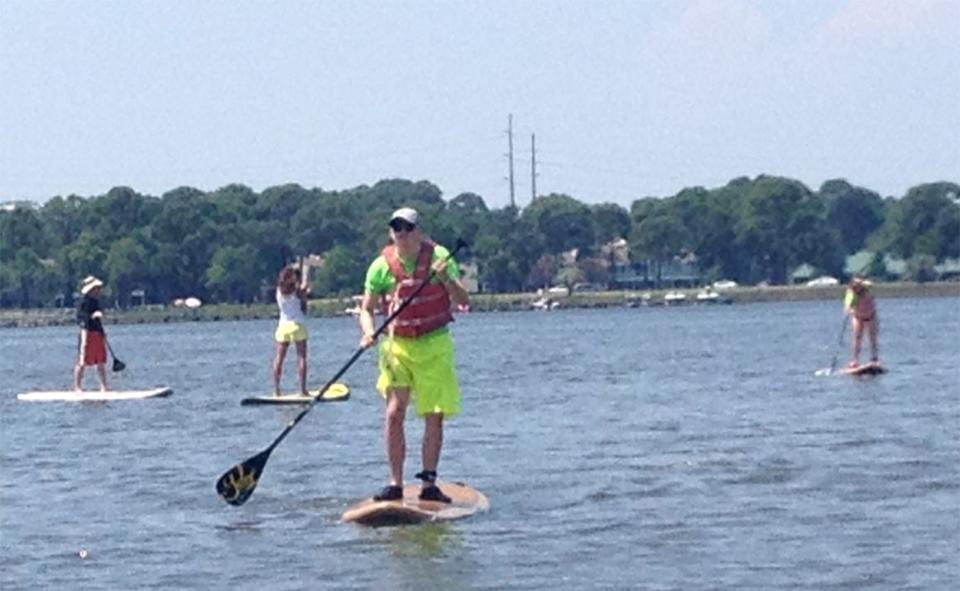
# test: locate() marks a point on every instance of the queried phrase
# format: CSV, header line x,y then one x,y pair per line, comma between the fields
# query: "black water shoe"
x,y
432,492
389,493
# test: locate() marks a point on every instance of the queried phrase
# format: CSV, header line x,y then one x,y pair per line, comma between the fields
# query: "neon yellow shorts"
x,y
290,332
425,365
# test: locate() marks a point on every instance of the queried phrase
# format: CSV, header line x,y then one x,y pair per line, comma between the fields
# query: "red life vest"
x,y
428,311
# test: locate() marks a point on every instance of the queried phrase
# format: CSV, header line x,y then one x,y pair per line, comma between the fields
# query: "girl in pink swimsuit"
x,y
860,306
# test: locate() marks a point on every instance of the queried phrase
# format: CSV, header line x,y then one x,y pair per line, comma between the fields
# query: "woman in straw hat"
x,y
92,344
859,304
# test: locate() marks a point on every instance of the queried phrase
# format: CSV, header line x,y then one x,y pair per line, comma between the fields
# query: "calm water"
x,y
629,448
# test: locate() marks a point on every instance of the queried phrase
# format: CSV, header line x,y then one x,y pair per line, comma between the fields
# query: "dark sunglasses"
x,y
402,226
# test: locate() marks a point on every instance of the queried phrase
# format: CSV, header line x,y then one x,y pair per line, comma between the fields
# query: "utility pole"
x,y
533,167
513,201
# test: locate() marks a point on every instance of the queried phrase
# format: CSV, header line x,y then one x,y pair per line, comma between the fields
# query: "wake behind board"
x,y
91,396
337,392
466,501
867,369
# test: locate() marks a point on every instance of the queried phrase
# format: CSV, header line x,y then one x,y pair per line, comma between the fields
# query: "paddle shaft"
x,y
356,354
300,292
843,329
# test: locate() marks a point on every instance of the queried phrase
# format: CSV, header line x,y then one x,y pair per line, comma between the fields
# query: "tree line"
x,y
229,244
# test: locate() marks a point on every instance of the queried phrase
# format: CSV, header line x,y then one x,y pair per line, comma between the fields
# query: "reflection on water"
x,y
428,540
241,525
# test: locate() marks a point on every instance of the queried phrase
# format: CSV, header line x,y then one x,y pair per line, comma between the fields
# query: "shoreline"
x,y
330,307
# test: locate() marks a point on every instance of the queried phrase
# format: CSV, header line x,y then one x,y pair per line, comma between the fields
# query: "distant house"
x,y
893,267
682,271
948,270
861,263
858,263
616,251
15,205
650,273
803,273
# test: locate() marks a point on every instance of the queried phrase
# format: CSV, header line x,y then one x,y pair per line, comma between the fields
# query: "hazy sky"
x,y
627,99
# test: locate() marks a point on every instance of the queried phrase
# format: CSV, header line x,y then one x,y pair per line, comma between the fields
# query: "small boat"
x,y
674,298
708,296
354,310
545,304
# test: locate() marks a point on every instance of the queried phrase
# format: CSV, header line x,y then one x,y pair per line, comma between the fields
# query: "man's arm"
x,y
368,307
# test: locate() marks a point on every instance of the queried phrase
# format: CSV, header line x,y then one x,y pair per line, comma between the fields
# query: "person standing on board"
x,y
417,359
292,292
92,342
859,304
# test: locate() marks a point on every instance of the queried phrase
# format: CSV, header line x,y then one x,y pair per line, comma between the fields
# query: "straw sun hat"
x,y
89,284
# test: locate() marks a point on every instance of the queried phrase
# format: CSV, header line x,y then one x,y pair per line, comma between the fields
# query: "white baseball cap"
x,y
407,214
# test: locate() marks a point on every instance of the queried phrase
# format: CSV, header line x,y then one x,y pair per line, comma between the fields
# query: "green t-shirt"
x,y
381,281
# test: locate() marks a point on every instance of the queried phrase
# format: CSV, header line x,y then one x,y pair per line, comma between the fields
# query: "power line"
x,y
533,167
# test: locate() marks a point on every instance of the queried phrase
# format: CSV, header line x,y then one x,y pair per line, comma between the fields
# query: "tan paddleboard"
x,y
867,369
466,502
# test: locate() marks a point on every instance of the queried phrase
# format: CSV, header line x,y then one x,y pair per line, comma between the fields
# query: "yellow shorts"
x,y
290,332
425,365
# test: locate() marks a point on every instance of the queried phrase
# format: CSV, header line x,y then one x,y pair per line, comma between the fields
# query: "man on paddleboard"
x,y
92,343
859,304
417,358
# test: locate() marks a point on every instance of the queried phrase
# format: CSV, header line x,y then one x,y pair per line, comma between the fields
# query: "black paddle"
x,y
117,364
237,484
843,329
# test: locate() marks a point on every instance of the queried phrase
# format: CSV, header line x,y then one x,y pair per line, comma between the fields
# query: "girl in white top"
x,y
292,301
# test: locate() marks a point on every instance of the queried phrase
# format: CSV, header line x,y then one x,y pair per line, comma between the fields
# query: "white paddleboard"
x,y
94,396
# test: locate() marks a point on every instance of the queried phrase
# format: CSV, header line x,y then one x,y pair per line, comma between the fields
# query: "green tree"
x,y
544,271
22,228
86,256
564,223
779,222
324,222
610,221
854,213
228,277
27,269
342,273
126,266
926,221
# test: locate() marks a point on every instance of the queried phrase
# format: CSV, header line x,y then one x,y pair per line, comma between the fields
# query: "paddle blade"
x,y
237,484
118,365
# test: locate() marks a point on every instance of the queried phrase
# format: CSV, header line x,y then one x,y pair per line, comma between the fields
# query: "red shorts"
x,y
95,351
